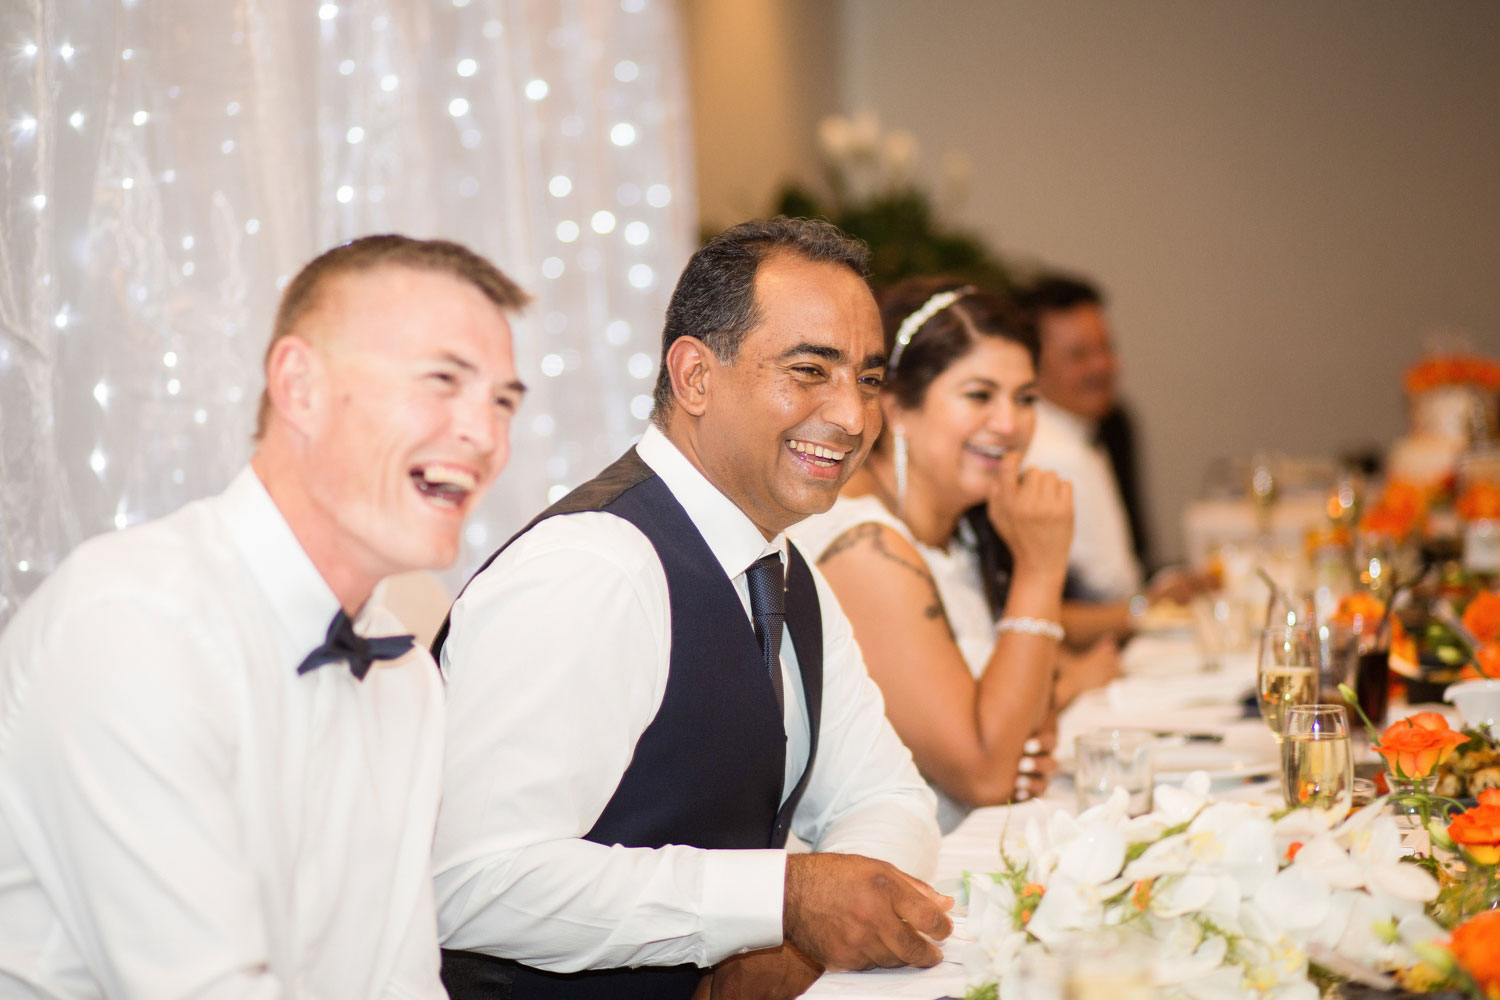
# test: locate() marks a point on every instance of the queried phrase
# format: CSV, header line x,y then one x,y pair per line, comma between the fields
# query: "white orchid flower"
x,y
834,138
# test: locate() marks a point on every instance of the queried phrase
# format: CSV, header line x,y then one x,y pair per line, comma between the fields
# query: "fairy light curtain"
x,y
167,164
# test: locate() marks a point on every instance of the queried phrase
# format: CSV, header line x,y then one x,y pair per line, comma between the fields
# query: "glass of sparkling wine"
x,y
1287,673
1317,769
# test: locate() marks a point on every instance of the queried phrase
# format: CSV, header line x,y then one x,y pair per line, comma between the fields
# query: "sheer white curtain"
x,y
167,164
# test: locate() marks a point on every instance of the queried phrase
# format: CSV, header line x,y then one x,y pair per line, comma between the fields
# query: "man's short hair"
x,y
715,298
1058,293
305,291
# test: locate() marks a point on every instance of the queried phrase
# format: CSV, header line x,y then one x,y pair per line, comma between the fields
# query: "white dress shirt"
x,y
1102,557
556,664
181,814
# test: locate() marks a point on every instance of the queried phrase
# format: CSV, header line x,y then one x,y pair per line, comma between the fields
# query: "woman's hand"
x,y
1037,765
1080,672
1033,512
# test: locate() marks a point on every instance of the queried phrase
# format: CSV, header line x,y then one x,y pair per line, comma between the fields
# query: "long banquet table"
x,y
1165,689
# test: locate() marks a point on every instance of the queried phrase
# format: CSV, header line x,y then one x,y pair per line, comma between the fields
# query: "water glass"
x,y
1108,964
1106,759
1317,768
1287,673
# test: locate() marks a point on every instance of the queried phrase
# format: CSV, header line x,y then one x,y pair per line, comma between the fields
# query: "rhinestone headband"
x,y
911,324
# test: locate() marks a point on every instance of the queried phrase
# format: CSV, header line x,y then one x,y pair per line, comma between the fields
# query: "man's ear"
x,y
890,410
295,383
690,366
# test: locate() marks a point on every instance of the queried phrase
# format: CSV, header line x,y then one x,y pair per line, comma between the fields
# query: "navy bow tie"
x,y
343,643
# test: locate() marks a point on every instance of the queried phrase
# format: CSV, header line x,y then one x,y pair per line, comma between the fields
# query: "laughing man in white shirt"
x,y
211,784
630,739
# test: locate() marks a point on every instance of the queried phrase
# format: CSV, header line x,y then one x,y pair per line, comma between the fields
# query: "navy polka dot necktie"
x,y
768,612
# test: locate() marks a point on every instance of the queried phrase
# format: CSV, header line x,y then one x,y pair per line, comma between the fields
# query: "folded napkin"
x,y
1160,655
1130,696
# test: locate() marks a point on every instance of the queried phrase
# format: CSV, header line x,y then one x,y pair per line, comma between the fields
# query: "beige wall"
x,y
1280,197
762,73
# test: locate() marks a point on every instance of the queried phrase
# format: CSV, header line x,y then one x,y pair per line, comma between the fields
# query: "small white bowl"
x,y
1479,704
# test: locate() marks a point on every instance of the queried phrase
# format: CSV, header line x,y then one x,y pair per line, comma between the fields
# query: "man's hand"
x,y
844,911
769,974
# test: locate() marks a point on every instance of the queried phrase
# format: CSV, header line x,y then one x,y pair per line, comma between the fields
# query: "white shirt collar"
x,y
731,536
1068,422
299,597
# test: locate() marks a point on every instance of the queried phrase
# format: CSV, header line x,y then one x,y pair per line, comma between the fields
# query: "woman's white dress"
x,y
959,582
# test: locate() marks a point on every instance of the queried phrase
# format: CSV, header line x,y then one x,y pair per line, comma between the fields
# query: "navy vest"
x,y
708,771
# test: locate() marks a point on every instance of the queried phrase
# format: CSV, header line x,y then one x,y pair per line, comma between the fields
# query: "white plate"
x,y
1176,759
1247,751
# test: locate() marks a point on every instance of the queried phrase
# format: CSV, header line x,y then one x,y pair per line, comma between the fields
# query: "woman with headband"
x,y
949,560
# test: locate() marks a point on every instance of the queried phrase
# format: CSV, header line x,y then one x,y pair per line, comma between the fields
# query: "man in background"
x,y
219,765
649,687
1085,435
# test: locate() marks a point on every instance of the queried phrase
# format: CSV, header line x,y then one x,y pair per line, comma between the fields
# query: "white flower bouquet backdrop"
x,y
168,164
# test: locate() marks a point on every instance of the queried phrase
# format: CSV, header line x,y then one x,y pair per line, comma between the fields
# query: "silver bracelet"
x,y
1030,626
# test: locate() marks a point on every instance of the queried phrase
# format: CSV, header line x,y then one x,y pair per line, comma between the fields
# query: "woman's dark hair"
x,y
943,339
947,335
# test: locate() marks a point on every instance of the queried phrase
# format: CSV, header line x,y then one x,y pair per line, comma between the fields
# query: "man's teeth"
x,y
448,475
828,455
444,485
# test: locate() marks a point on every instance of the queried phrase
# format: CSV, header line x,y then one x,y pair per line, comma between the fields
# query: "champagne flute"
x,y
1317,768
1287,673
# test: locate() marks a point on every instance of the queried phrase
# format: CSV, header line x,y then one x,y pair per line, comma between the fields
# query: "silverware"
x,y
1164,734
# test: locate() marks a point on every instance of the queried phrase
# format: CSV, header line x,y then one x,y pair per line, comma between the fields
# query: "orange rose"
x,y
1480,500
1478,830
1359,610
1414,746
1476,946
1486,665
1482,616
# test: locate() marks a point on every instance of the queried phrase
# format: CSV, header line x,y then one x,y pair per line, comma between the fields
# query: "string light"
x,y
615,166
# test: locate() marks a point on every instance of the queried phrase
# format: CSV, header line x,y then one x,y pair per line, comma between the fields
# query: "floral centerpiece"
x,y
1230,899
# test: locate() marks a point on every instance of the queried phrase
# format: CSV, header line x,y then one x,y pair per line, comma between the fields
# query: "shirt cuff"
x,y
743,894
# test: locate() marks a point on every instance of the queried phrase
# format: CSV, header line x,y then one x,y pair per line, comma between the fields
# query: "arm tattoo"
x,y
871,535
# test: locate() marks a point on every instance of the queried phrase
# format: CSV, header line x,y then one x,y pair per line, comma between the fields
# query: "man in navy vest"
x,y
630,739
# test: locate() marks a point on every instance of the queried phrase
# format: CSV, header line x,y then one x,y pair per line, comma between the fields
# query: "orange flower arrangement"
x,y
1359,610
1486,665
1397,511
1456,369
1482,616
1478,829
1476,946
1478,501
1413,746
